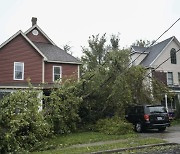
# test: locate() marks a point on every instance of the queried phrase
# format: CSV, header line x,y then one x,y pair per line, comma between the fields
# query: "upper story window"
x,y
179,77
18,71
57,73
173,56
170,78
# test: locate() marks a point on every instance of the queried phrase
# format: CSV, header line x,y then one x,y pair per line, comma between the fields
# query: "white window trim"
x,y
22,70
60,72
172,79
179,78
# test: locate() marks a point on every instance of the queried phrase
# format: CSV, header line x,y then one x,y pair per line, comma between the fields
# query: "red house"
x,y
33,56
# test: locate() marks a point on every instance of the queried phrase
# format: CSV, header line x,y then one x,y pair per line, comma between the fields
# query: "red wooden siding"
x,y
37,38
68,71
19,50
160,76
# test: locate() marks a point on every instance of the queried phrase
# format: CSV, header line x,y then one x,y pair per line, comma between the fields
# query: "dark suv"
x,y
148,117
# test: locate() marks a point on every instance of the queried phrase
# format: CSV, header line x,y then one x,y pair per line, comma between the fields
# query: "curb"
x,y
134,148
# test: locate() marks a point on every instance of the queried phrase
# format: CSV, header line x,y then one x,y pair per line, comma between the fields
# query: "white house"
x,y
164,57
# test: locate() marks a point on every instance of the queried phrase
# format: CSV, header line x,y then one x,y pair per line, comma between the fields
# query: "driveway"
x,y
171,134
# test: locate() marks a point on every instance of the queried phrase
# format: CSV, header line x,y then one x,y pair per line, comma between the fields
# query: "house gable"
x,y
162,49
168,66
137,58
138,54
36,34
26,38
37,54
155,51
18,49
165,54
147,56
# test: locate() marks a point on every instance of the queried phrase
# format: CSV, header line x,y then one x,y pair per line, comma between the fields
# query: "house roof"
x,y
50,52
152,52
42,32
27,39
138,49
56,54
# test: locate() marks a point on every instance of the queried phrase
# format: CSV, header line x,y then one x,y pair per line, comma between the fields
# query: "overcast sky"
x,y
73,21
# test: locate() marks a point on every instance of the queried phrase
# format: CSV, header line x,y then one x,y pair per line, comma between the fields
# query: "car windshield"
x,y
157,109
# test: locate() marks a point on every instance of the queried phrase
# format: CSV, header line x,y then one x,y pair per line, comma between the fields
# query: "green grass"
x,y
175,122
132,142
70,143
83,138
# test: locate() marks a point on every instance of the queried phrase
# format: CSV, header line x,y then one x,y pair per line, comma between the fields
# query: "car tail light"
x,y
146,117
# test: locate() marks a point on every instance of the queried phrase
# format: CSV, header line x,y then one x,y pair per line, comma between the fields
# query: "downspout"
x,y
78,73
43,71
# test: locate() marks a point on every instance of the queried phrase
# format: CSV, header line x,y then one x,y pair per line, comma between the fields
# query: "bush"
x,y
114,126
61,109
22,126
177,112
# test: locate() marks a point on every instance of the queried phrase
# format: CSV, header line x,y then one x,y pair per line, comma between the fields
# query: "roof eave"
x,y
62,62
27,39
161,52
12,37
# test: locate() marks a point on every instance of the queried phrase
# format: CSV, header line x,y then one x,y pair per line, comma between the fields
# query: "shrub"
x,y
61,109
22,126
177,112
114,126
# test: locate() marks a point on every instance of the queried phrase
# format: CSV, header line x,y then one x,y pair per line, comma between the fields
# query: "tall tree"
x,y
115,41
143,43
105,63
67,48
94,55
109,85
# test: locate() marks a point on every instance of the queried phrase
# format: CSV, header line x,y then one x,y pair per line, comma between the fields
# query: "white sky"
x,y
73,21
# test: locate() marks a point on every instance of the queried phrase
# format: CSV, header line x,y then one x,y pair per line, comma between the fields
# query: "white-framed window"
x,y
173,56
18,71
170,78
179,77
57,73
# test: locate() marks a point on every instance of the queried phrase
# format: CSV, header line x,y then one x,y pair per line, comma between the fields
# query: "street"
x,y
171,134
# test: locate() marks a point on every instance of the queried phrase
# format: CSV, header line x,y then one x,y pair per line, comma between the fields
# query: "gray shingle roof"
x,y
153,51
56,54
139,49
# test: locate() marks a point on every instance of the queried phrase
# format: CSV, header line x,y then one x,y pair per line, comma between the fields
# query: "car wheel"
x,y
162,129
138,127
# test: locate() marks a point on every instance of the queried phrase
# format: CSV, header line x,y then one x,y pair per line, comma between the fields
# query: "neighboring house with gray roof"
x,y
164,59
33,56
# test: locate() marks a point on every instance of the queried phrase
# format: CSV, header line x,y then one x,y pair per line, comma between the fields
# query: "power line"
x,y
160,65
134,59
153,42
146,48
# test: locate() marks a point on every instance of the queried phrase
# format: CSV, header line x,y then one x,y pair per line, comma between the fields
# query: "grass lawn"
x,y
175,122
70,143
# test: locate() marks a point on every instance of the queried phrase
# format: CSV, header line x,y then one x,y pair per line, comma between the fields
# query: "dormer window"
x,y
173,56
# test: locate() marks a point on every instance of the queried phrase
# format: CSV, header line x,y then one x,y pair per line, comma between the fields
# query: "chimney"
x,y
34,21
